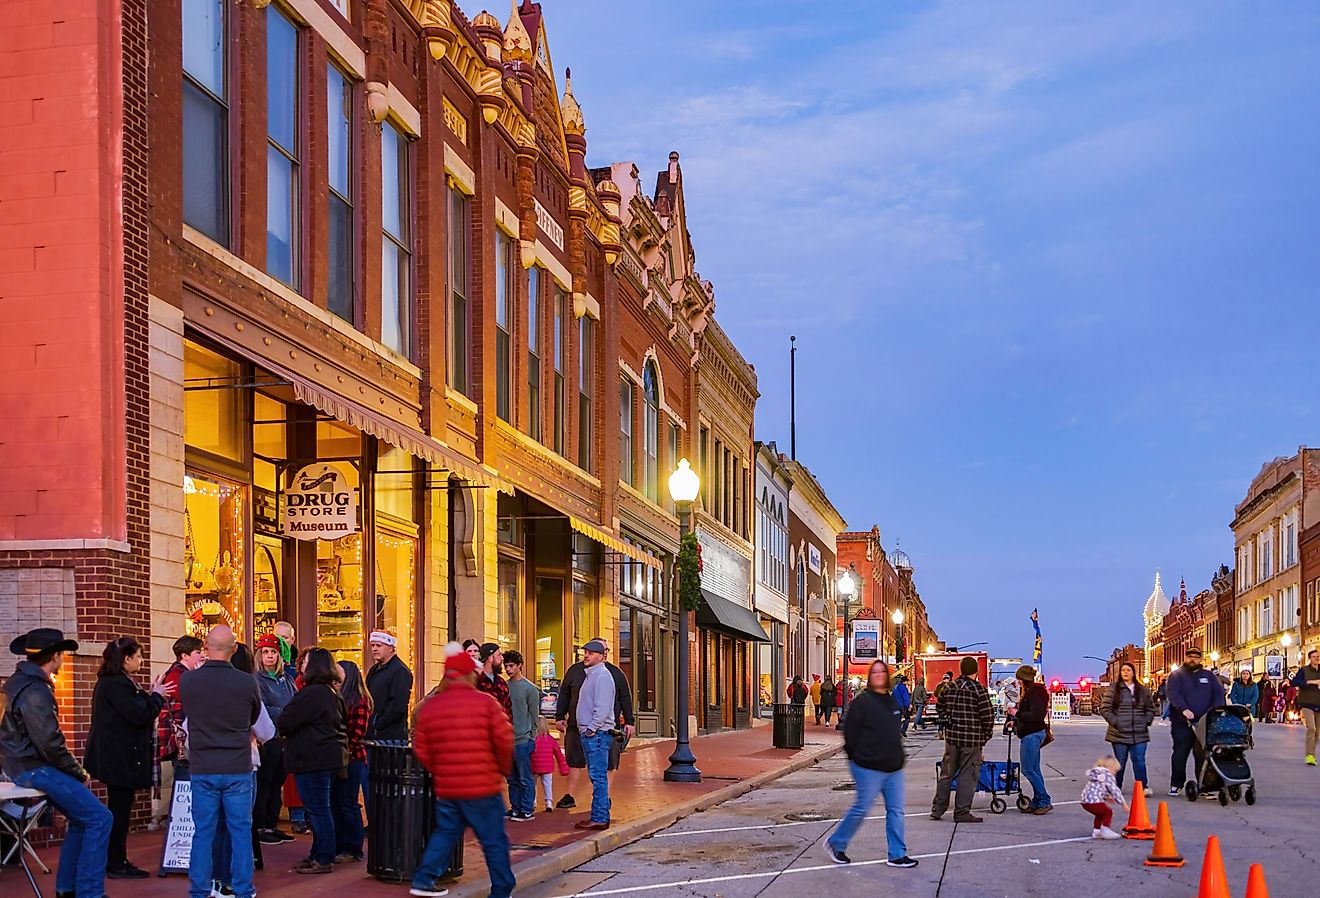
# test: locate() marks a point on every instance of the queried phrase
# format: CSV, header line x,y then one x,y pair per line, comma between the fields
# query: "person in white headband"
x,y
390,683
380,637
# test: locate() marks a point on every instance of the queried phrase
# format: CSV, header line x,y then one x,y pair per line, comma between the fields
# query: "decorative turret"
x,y
610,197
569,108
517,42
437,26
488,29
1157,605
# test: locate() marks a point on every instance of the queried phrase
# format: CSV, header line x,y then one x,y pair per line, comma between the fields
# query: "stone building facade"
x,y
813,528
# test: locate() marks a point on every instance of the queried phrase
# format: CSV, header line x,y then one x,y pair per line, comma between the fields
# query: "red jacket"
x,y
465,740
547,754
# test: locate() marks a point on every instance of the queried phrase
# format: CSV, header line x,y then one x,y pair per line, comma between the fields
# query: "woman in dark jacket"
x,y
798,691
1129,713
873,740
1265,705
315,731
119,742
829,698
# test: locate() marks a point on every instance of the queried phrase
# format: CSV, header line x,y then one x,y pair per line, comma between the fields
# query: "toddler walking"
x,y
546,754
1100,792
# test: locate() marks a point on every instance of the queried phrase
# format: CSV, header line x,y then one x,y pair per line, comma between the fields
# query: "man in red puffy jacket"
x,y
464,738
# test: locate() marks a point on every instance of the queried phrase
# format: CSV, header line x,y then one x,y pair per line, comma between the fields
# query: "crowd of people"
x,y
254,734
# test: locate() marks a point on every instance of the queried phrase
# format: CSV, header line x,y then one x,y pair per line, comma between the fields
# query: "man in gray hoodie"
x,y
596,722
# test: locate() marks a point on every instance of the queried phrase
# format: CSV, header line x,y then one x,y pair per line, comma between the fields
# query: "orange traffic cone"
x,y
1138,825
1164,853
1214,882
1256,887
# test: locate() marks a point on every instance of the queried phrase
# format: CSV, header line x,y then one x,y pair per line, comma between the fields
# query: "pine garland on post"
x,y
689,572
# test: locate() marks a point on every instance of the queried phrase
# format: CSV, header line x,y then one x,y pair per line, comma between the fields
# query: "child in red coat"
x,y
546,755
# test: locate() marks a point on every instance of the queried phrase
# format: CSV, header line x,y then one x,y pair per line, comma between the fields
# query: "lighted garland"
x,y
689,572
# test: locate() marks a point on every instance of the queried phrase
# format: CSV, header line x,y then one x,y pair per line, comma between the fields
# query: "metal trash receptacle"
x,y
400,812
787,729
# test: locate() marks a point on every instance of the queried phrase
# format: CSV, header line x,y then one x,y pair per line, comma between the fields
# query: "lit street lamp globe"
x,y
897,616
1285,640
846,585
1214,657
684,483
930,649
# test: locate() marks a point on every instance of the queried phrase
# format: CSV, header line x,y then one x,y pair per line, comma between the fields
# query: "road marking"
x,y
735,829
814,869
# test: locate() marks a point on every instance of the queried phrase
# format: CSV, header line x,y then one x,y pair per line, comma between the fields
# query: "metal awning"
x,y
613,543
718,613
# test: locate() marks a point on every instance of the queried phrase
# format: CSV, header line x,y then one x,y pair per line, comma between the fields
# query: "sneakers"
x,y
300,827
520,817
1310,760
837,857
220,890
432,892
347,857
566,802
125,870
1175,791
969,818
1095,834
270,837
903,861
549,807
936,816
307,865
1105,832
1149,791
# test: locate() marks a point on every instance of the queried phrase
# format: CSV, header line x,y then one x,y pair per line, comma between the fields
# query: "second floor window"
x,y
560,350
503,337
282,92
459,286
626,432
651,432
205,119
586,388
340,260
396,307
534,281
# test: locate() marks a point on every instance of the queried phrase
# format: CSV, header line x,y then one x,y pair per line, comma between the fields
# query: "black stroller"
x,y
1225,737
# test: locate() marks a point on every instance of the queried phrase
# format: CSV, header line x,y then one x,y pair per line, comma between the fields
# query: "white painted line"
x,y
736,829
770,874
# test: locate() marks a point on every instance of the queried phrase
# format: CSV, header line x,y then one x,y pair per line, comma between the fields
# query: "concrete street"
x,y
748,846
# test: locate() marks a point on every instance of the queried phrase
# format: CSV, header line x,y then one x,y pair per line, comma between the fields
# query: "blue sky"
x,y
1051,268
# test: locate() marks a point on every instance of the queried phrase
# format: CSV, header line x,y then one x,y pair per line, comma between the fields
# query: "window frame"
x,y
651,431
627,427
504,308
403,244
559,356
587,340
458,205
224,113
346,198
292,156
535,280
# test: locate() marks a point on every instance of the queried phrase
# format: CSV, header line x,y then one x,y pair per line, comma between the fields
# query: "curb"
x,y
561,860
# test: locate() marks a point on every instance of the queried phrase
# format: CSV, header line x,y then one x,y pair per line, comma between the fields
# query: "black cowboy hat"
x,y
42,640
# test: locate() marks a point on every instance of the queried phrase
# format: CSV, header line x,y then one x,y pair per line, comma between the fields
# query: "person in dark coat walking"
x,y
390,684
1129,712
829,699
315,730
119,747
1265,705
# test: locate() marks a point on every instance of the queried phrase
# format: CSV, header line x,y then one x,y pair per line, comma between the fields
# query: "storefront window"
x,y
396,550
268,570
507,619
213,420
586,618
215,516
339,597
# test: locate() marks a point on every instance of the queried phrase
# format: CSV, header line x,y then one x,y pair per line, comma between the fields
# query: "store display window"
x,y
396,550
214,409
215,521
339,562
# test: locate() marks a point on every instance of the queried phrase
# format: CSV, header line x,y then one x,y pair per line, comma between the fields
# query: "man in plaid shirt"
x,y
965,705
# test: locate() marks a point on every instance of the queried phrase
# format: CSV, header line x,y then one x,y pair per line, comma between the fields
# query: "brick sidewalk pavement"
x,y
730,763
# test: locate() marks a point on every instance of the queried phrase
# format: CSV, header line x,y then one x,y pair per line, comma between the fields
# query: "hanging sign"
x,y
866,639
1274,666
319,504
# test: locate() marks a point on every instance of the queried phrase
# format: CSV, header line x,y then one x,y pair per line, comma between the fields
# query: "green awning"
x,y
716,613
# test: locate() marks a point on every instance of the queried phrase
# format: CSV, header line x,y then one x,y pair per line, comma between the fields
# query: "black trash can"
x,y
400,812
788,726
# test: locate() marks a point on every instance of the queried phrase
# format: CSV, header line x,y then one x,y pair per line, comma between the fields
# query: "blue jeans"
x,y
1138,755
348,813
314,789
1031,769
82,857
522,787
232,792
486,817
871,783
597,751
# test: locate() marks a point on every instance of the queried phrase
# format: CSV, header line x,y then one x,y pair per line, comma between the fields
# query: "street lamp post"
x,y
683,488
897,618
847,586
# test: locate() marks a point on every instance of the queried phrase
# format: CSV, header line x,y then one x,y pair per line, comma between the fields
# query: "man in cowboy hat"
x,y
34,755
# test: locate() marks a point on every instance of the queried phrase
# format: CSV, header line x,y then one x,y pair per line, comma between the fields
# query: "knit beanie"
x,y
968,666
458,663
1026,673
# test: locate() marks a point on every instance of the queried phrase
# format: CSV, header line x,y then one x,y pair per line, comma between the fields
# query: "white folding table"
x,y
20,810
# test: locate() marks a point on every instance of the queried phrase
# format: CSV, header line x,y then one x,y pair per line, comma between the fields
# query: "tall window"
x,y
396,307
671,461
586,388
626,432
705,467
282,92
1266,625
1265,570
205,119
341,260
559,351
1289,542
1288,608
460,214
651,431
534,353
503,337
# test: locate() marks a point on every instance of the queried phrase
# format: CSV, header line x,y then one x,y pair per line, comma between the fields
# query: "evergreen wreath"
x,y
689,572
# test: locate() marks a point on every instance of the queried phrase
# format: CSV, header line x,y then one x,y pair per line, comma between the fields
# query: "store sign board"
x,y
319,504
813,558
1274,666
866,639
176,854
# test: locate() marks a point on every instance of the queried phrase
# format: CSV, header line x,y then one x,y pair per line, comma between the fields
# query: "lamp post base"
x,y
682,766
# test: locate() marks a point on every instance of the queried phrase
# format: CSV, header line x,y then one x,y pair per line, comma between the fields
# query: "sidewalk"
x,y
731,763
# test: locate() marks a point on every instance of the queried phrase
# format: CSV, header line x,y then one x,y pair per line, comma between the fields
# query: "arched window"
x,y
651,430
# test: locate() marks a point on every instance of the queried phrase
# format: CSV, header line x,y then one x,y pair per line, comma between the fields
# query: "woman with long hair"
x,y
348,812
1129,712
315,735
829,699
873,740
119,742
